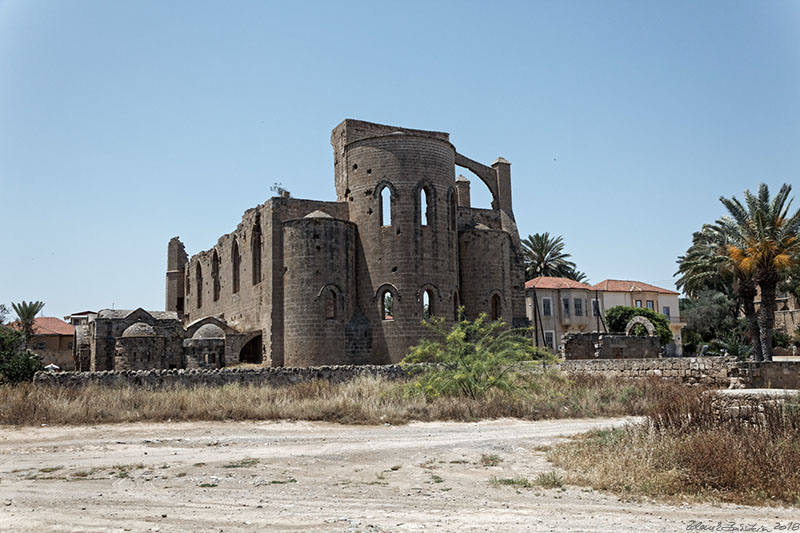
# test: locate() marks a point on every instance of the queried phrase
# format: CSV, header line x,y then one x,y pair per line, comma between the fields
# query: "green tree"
x,y
544,256
3,314
26,312
708,266
472,358
766,245
618,317
577,275
711,314
16,364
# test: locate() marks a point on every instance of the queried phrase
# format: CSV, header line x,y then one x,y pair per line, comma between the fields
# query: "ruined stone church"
x,y
306,282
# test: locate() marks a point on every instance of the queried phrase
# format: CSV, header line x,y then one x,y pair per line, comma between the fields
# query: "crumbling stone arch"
x,y
487,174
651,329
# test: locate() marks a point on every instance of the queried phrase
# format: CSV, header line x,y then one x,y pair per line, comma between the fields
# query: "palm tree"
x,y
544,256
26,312
577,275
765,244
707,265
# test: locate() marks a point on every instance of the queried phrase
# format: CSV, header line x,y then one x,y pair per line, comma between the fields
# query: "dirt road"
x,y
293,476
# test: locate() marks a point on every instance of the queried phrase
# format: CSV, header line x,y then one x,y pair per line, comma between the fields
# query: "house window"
x,y
578,306
69,345
547,307
595,308
638,303
40,346
550,339
651,305
565,306
666,311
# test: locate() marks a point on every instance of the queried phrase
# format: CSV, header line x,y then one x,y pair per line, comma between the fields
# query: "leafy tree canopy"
x,y
711,314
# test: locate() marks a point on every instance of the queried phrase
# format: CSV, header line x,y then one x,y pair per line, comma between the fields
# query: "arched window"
x,y
423,206
386,207
451,210
215,274
236,260
330,304
496,310
387,304
255,247
427,304
199,281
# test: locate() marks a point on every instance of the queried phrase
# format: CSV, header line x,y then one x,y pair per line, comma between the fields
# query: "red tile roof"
x,y
544,282
626,285
48,325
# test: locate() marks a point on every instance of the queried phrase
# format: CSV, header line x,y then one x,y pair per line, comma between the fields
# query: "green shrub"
x,y
618,317
472,358
780,339
16,364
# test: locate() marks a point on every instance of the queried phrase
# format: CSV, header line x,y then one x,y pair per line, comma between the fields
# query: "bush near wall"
x,y
618,317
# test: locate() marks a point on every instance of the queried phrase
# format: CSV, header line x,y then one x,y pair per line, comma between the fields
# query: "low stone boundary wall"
x,y
714,371
771,375
751,405
720,372
162,379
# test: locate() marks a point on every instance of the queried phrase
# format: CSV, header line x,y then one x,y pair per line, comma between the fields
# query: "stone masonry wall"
x,y
273,376
719,372
714,371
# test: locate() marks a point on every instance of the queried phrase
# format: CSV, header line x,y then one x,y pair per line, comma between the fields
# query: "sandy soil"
x,y
292,476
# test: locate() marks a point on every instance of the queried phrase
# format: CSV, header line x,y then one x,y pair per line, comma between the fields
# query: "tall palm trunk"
x,y
747,292
766,313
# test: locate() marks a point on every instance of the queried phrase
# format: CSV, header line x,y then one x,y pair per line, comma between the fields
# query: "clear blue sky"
x,y
123,124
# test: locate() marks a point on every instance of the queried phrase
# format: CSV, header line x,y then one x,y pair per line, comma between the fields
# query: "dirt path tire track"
x,y
292,476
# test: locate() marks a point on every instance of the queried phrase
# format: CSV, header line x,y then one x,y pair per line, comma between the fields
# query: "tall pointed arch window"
x,y
387,305
386,206
215,275
427,304
199,280
255,248
451,211
496,307
424,206
330,304
236,261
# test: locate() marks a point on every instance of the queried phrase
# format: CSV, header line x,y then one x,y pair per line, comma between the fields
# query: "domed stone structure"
x,y
209,331
139,329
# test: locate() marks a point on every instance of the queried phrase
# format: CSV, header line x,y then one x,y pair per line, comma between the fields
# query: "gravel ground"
x,y
291,476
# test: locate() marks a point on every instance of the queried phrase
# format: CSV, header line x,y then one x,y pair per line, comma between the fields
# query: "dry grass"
x,y
361,401
684,451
